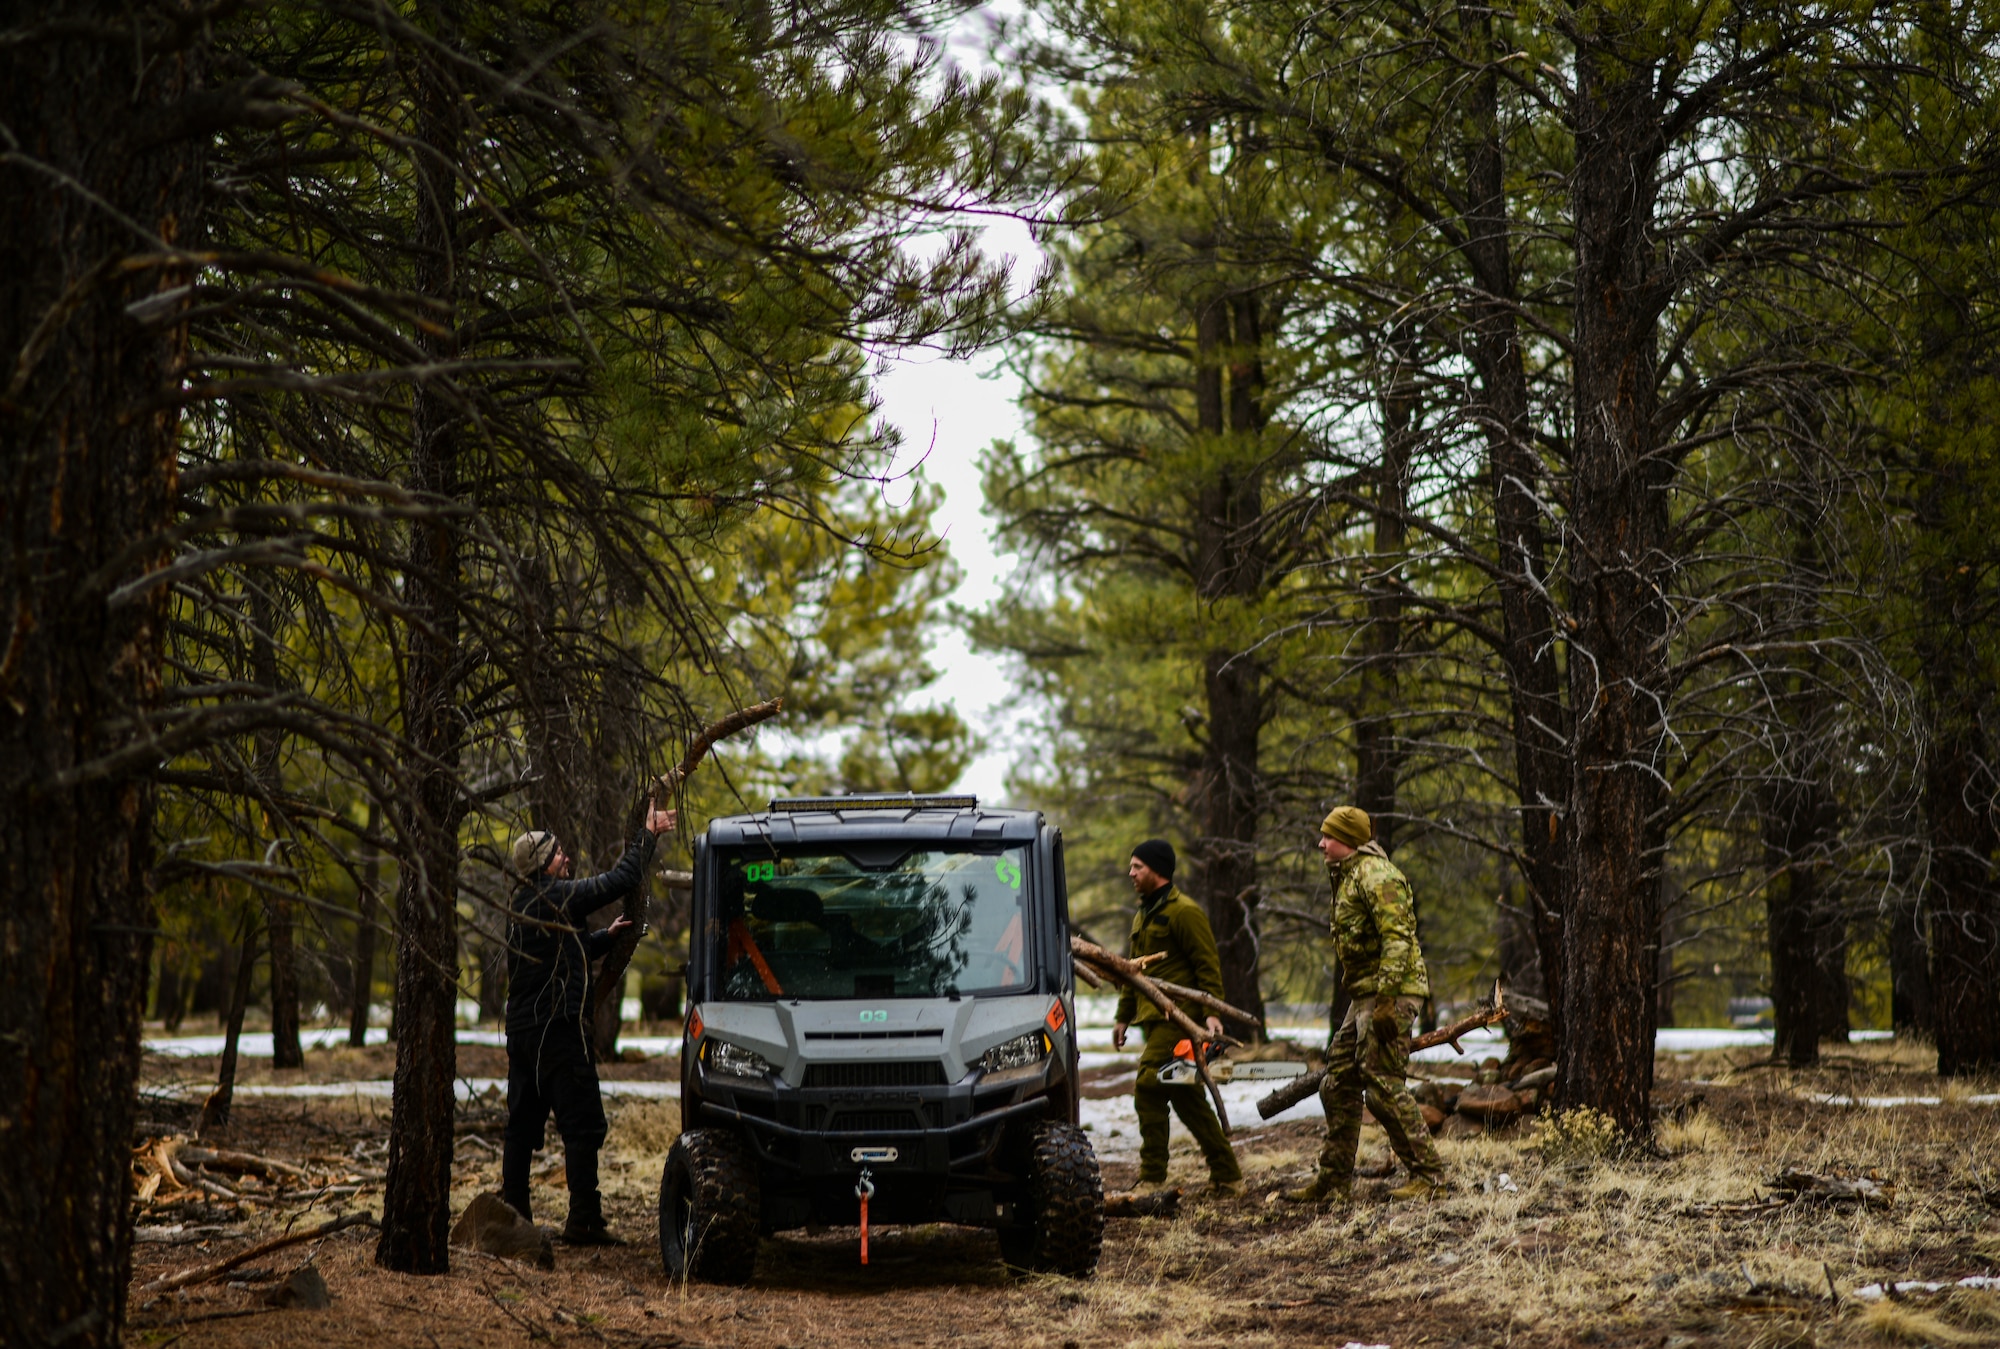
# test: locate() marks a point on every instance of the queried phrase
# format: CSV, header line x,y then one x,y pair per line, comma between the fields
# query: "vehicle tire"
x,y
1060,1227
709,1208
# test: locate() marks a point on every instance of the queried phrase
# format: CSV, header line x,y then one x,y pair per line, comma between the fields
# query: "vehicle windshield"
x,y
821,925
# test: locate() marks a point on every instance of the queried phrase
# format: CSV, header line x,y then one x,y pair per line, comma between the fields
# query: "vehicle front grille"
x,y
874,1121
866,1073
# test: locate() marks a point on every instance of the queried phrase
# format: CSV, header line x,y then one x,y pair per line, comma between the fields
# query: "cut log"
x,y
1087,974
1492,1104
1289,1095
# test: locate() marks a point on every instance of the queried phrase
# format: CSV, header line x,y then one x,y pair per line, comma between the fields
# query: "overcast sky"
x,y
948,412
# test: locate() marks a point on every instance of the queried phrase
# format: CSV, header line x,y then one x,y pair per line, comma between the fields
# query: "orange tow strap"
x,y
864,1190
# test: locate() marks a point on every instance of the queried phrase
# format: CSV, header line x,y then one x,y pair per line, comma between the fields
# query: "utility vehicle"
x,y
880,1005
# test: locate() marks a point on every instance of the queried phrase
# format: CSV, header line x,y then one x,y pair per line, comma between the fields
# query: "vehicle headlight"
x,y
1018,1052
735,1060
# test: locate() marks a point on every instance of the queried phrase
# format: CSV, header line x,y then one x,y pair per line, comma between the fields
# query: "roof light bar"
x,y
875,802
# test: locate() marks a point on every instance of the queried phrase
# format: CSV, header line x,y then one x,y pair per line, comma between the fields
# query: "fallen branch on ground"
x,y
224,1159
1158,1204
187,1278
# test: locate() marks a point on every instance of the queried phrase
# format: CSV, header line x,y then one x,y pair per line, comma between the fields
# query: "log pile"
x,y
171,1173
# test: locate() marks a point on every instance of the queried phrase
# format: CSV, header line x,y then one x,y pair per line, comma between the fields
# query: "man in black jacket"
x,y
549,1066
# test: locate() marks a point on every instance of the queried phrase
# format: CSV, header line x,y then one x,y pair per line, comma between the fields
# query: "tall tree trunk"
x,y
1514,475
416,1205
1799,820
1664,984
215,1110
1833,992
87,468
1229,570
1379,752
265,764
1910,1007
1618,564
367,903
1788,905
1961,791
1964,914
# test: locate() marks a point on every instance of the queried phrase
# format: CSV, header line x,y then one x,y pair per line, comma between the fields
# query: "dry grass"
x,y
1623,1248
1903,1324
643,1130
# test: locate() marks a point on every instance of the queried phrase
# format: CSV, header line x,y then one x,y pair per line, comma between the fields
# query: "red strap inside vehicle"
x,y
742,944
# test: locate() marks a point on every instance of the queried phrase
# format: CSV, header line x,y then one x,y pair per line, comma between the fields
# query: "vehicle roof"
x,y
839,820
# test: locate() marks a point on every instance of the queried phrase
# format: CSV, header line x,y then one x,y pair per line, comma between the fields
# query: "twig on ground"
x,y
187,1278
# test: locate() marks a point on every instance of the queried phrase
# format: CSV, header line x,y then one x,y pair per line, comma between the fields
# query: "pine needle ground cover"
x,y
1691,1245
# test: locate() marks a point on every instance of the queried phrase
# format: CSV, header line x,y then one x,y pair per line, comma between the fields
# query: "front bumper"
x,y
963,1150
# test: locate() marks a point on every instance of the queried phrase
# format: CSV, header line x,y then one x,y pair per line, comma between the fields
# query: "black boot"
x,y
586,1225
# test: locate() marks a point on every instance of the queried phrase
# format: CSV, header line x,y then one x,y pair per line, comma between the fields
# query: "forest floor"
x,y
1687,1247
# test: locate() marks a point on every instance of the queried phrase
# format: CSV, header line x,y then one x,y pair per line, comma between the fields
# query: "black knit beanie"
x,y
1158,854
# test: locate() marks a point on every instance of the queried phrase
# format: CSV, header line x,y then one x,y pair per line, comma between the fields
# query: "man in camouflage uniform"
x,y
1171,924
1375,939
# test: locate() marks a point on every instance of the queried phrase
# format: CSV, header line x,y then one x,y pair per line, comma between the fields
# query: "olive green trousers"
x,y
1154,1100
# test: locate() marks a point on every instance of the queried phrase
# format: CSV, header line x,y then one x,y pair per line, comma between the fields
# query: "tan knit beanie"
x,y
1349,824
532,852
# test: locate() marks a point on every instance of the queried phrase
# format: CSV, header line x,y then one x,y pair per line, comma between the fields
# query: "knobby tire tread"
x,y
723,1185
1065,1232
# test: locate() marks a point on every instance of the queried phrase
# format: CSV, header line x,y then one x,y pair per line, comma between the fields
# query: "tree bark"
x,y
1833,991
1378,751
361,981
87,467
265,765
1230,568
1960,786
1540,723
215,1110
1806,931
1910,1007
416,1203
1964,915
1618,564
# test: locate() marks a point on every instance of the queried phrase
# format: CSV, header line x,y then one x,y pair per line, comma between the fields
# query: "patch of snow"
x,y
465,1089
1871,1292
1888,1102
1239,1097
257,1044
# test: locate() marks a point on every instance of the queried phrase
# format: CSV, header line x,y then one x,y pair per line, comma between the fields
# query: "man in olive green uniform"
x,y
1171,924
1375,939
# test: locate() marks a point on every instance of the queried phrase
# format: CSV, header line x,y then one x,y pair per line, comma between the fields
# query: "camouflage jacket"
x,y
1168,921
1375,927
